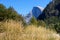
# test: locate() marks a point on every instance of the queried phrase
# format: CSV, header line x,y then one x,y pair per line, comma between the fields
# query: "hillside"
x,y
14,27
9,13
51,15
35,12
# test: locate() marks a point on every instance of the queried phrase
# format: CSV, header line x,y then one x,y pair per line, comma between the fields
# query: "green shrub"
x,y
41,23
33,21
9,13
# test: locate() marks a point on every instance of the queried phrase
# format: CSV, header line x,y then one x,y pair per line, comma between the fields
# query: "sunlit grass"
x,y
14,30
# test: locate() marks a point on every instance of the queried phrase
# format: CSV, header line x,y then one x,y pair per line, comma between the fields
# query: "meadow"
x,y
15,30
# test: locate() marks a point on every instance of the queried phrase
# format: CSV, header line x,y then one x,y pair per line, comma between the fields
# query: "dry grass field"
x,y
14,30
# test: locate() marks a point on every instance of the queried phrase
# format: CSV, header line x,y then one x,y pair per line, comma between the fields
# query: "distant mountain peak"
x,y
35,12
41,8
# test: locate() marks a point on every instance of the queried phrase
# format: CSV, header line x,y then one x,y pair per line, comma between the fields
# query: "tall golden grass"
x,y
14,30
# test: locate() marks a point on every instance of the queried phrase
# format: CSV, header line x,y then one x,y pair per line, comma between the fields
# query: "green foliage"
x,y
33,21
9,13
2,12
41,23
53,23
37,22
12,14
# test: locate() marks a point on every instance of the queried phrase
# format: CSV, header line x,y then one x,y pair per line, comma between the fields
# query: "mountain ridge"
x,y
33,13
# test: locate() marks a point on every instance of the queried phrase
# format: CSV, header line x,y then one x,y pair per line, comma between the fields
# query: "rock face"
x,y
51,15
28,17
52,9
35,12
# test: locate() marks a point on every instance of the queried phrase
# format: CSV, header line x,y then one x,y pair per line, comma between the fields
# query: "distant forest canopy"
x,y
9,13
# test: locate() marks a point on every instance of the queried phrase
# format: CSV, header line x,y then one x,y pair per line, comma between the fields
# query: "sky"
x,y
23,7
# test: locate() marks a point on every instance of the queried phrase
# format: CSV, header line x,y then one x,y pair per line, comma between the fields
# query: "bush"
x,y
33,21
53,23
9,13
41,23
3,13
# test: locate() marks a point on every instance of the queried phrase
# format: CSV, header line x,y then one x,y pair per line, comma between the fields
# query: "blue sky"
x,y
24,6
